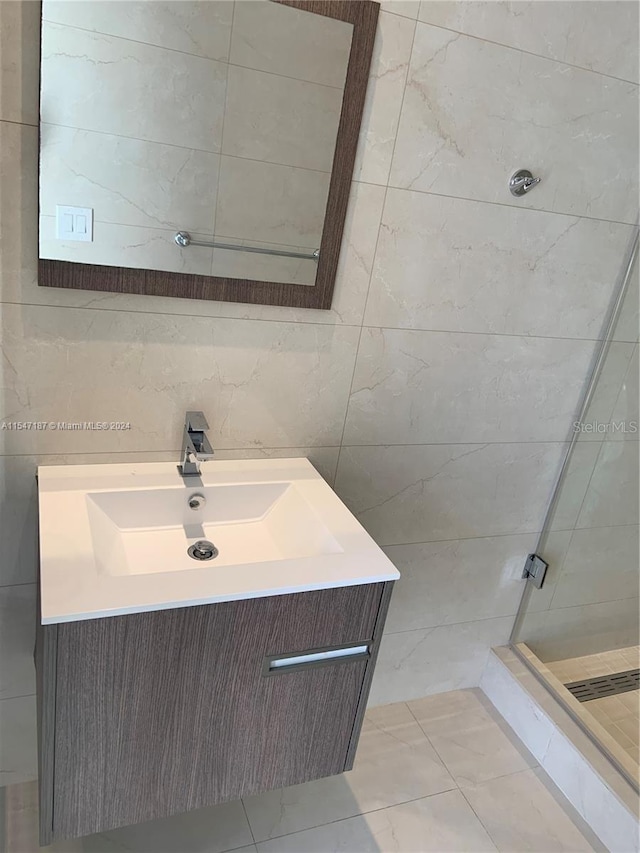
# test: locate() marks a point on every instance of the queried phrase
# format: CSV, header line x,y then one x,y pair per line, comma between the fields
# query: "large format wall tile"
x,y
601,564
20,51
471,106
108,84
280,120
389,66
625,417
575,482
568,632
406,8
202,29
603,37
127,181
460,265
291,42
457,581
414,387
17,638
612,496
148,369
271,203
413,664
439,491
612,387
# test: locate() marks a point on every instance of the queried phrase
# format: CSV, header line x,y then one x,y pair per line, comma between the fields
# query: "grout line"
x,y
501,535
144,141
380,445
125,136
358,814
348,400
521,335
246,815
21,696
531,53
195,315
540,210
452,624
576,525
18,123
231,849
509,205
296,321
216,198
173,450
224,61
478,818
498,723
373,260
432,628
34,582
444,764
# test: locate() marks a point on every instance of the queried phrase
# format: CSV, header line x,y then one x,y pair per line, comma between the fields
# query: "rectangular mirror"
x,y
200,148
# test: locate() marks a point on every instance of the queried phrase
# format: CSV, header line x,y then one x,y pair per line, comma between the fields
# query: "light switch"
x,y
74,223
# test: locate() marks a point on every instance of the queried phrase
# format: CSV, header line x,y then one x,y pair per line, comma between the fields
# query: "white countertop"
x,y
76,585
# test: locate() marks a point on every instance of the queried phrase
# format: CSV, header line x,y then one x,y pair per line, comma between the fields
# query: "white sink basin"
x,y
145,531
115,538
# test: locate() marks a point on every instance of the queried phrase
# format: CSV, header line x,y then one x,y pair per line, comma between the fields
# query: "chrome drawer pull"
x,y
316,657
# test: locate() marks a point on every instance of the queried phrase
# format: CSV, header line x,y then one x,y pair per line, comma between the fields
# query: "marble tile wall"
x,y
190,116
439,390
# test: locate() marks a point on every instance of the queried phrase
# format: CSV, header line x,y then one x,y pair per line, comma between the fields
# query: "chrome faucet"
x,y
195,446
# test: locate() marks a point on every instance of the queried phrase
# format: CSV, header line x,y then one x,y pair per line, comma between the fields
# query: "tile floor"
x,y
437,774
619,715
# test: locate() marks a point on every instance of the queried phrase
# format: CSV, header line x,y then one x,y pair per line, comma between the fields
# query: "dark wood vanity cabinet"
x,y
151,714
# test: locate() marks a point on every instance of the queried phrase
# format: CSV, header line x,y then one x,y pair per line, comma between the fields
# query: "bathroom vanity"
x,y
167,683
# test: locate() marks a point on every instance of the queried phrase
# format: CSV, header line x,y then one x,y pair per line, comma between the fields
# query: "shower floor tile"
x,y
619,715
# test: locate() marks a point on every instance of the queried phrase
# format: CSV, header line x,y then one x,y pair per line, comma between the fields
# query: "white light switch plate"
x,y
74,223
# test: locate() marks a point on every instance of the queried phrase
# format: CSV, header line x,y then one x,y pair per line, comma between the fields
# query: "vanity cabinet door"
x,y
159,713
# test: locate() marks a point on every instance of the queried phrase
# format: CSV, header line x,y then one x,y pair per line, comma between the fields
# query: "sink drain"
x,y
203,550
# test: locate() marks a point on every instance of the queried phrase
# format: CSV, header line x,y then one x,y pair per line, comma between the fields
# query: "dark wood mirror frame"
x,y
363,14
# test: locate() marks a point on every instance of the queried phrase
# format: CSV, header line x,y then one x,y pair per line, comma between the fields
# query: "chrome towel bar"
x,y
183,239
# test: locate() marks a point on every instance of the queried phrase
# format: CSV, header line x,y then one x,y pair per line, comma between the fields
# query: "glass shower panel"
x,y
584,622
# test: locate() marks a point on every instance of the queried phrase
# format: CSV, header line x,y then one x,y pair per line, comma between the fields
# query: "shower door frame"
x,y
599,359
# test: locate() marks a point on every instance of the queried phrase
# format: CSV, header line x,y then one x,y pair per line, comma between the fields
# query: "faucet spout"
x,y
196,447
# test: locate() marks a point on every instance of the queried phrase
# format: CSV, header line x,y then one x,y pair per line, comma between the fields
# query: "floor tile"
x,y
395,763
18,755
211,830
466,735
520,814
440,823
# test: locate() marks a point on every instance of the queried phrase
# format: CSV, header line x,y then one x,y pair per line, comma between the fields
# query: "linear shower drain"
x,y
605,685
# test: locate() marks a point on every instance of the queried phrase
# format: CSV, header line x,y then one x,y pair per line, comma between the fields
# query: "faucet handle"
x,y
195,422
